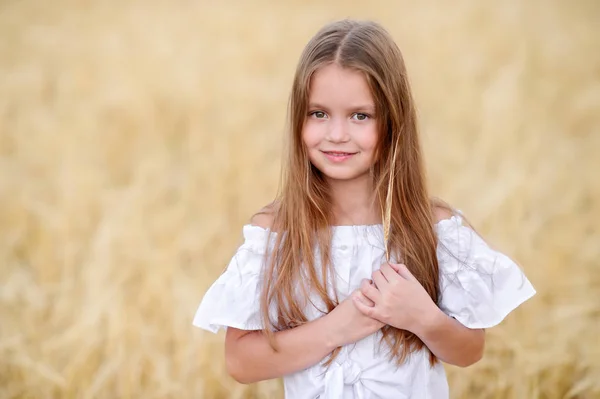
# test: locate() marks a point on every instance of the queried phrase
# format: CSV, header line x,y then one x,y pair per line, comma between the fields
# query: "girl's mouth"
x,y
338,156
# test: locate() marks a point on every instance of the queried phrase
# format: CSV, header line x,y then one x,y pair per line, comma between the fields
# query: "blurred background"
x,y
137,137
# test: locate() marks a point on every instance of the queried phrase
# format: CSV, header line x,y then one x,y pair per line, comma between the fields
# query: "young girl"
x,y
353,283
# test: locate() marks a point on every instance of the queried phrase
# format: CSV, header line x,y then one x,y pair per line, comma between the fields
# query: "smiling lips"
x,y
338,156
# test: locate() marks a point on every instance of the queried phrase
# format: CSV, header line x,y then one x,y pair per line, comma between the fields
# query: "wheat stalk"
x,y
387,209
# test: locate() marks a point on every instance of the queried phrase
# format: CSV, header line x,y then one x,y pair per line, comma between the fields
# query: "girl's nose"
x,y
337,132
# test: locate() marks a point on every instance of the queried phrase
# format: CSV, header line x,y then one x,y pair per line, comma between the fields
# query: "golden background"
x,y
137,137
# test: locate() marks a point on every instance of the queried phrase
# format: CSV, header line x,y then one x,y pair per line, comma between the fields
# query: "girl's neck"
x,y
353,202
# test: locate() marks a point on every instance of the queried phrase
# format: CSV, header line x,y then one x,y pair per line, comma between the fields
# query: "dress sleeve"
x,y
233,300
479,286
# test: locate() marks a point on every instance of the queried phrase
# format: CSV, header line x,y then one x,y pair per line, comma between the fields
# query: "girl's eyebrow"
x,y
316,106
367,107
364,107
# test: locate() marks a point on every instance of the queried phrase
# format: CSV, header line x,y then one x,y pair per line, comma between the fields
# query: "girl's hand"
x,y
399,299
348,325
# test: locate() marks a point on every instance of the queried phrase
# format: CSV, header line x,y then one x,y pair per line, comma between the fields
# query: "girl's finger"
x,y
389,273
403,271
370,292
362,308
380,280
362,298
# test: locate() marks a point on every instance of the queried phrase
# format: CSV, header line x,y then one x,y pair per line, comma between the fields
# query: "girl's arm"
x,y
449,340
250,358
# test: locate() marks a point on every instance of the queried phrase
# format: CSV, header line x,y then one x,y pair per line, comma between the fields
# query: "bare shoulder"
x,y
265,217
441,214
441,210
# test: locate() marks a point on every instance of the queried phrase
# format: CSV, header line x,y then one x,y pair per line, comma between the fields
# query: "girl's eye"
x,y
318,114
360,117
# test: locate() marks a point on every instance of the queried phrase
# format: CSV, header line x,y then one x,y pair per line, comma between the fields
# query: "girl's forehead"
x,y
334,84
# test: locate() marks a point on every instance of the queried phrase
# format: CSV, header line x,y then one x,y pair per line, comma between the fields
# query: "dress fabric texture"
x,y
479,287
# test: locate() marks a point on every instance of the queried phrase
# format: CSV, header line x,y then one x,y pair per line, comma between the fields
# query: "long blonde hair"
x,y
302,215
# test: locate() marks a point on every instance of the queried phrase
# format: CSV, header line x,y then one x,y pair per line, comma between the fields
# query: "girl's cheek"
x,y
369,139
306,136
310,135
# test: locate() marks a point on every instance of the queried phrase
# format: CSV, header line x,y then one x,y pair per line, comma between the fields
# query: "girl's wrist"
x,y
332,336
429,322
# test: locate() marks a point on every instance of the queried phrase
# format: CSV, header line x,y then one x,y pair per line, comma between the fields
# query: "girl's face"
x,y
340,131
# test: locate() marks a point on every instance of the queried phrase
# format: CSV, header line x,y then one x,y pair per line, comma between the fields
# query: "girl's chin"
x,y
339,175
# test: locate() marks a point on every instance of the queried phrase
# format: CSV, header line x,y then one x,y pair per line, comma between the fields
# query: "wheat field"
x,y
137,137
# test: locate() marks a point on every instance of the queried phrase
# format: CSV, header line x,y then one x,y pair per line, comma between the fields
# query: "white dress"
x,y
479,291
